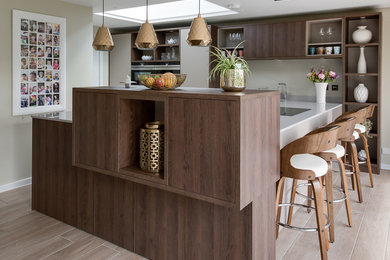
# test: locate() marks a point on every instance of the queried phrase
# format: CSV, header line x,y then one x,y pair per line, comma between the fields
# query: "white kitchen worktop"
x,y
294,127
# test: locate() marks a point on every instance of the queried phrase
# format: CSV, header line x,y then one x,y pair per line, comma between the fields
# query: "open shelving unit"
x,y
324,33
134,114
371,79
163,36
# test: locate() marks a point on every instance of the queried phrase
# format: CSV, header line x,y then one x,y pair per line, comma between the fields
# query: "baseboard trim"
x,y
385,166
15,185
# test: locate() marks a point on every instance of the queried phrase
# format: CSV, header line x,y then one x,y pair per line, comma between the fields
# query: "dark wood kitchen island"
x,y
215,197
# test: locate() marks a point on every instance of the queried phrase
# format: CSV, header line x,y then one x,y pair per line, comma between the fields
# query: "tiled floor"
x,y
26,234
368,239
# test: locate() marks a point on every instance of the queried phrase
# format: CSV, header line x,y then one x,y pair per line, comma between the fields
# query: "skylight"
x,y
170,11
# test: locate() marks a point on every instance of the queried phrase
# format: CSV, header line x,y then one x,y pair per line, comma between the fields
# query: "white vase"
x,y
360,93
321,92
362,35
362,65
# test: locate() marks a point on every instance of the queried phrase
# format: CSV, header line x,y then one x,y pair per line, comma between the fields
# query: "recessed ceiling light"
x,y
170,11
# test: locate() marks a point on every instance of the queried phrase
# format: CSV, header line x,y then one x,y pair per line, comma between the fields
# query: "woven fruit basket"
x,y
166,81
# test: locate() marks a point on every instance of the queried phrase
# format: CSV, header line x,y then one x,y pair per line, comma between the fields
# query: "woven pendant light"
x,y
103,40
199,34
146,37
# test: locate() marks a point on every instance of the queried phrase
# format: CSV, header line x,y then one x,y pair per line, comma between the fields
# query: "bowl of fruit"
x,y
166,81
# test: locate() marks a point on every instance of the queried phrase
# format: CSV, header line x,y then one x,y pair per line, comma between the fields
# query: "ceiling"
x,y
248,8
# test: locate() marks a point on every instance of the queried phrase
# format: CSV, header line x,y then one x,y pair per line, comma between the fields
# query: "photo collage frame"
x,y
39,54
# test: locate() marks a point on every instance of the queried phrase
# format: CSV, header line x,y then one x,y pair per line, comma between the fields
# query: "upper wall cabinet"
x,y
258,41
280,40
288,39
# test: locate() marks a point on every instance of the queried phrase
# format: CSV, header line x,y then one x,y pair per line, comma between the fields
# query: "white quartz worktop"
x,y
294,127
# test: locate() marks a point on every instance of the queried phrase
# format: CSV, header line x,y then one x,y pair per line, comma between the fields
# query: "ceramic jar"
x,y
362,35
321,92
360,93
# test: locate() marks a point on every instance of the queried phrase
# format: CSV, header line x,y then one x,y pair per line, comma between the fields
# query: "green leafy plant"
x,y
368,125
226,60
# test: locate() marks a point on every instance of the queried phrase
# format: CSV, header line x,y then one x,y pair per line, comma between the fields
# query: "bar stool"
x,y
360,114
346,128
299,163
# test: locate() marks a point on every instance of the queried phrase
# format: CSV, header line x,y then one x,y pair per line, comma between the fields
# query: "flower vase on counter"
x,y
321,92
321,78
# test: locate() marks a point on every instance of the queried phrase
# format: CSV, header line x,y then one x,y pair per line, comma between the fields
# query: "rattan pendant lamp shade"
x,y
103,40
199,34
146,37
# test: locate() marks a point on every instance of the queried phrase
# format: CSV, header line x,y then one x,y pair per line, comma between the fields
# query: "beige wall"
x,y
385,115
268,73
15,137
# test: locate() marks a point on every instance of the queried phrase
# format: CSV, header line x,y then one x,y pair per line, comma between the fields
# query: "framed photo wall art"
x,y
39,63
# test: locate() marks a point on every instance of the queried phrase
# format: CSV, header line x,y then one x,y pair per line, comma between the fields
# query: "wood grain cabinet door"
x,y
258,41
95,130
203,145
289,39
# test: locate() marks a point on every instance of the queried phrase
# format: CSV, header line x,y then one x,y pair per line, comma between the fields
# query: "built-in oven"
x,y
142,68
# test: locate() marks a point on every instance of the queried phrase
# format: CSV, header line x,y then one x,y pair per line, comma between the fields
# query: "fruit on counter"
x,y
149,82
179,80
169,80
143,78
159,83
156,77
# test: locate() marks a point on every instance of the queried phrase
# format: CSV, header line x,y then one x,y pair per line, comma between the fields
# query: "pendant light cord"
x,y
199,6
147,10
103,12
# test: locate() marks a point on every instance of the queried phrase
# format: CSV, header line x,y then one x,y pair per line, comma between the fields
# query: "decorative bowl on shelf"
x,y
166,81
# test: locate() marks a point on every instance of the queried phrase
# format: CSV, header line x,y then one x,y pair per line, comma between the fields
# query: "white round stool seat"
x,y
356,135
339,151
309,162
361,128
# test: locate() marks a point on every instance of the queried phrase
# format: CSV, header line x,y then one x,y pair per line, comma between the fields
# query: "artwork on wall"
x,y
39,63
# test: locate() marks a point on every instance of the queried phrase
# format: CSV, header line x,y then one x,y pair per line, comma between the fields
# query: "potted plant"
x,y
321,79
231,69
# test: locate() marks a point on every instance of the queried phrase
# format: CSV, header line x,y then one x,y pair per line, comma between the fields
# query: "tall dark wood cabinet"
x,y
371,79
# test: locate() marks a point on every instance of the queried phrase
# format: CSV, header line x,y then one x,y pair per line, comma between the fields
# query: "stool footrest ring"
x,y
343,198
301,228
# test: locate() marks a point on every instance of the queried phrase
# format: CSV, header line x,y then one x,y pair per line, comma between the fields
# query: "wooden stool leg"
x,y
355,161
368,158
319,205
309,194
279,198
329,200
345,188
292,200
353,179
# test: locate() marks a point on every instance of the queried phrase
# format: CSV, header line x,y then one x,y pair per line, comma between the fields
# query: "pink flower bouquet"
x,y
322,76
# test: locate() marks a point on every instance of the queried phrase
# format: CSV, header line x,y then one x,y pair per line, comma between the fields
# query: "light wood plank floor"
x,y
26,234
368,239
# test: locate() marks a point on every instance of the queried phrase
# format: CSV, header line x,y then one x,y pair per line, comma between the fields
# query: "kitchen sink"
x,y
292,111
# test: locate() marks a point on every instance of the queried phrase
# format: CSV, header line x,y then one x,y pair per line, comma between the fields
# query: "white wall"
x,y
15,137
268,73
100,65
385,118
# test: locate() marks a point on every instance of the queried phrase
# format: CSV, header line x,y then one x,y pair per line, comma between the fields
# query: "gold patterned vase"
x,y
151,157
233,80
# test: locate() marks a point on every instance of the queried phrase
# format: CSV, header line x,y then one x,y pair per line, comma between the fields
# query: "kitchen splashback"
x,y
268,73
